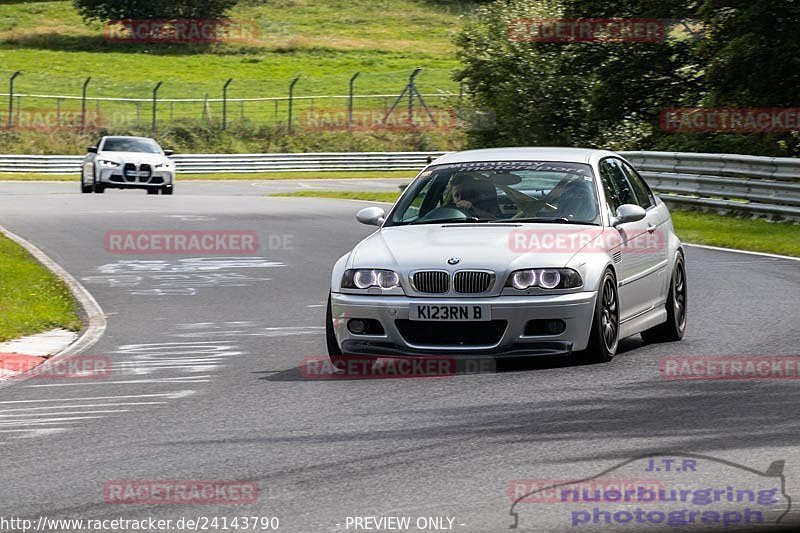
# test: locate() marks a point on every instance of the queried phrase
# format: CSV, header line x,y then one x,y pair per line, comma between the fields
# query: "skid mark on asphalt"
x,y
184,364
182,277
241,329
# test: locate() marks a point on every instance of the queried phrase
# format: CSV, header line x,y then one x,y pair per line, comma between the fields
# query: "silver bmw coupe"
x,y
511,252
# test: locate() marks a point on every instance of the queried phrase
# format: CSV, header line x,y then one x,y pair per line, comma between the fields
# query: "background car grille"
x,y
129,168
452,333
432,282
471,282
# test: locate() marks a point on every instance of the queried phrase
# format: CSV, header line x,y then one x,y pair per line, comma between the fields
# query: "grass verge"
x,y
691,226
737,232
27,176
32,299
389,197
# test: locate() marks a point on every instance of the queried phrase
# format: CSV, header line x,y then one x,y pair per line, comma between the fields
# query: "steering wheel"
x,y
446,212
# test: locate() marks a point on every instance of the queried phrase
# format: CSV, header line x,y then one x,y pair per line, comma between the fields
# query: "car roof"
x,y
563,155
127,137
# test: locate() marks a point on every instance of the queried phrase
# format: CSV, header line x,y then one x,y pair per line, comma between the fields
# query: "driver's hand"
x,y
464,204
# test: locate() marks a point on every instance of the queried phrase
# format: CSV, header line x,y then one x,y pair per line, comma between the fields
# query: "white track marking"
x,y
169,395
179,380
101,412
82,406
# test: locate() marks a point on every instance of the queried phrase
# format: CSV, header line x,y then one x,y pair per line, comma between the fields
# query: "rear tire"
x,y
673,329
86,189
604,337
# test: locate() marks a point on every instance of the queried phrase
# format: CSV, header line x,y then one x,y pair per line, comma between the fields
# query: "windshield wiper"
x,y
470,220
548,220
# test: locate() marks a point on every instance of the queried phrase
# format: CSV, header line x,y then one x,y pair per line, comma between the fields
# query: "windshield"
x,y
500,191
123,144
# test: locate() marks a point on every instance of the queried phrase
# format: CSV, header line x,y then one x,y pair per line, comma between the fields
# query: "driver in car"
x,y
477,198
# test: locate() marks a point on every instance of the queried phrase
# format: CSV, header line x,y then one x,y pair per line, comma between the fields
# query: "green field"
x,y
691,226
322,41
32,299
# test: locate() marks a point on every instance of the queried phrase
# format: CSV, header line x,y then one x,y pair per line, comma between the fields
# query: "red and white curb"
x,y
21,355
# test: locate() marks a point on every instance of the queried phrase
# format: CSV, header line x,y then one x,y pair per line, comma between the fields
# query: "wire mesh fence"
x,y
360,101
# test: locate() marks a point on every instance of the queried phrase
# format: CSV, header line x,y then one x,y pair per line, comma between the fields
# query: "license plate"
x,y
450,312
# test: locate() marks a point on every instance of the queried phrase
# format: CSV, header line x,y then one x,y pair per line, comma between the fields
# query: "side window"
x,y
643,192
618,190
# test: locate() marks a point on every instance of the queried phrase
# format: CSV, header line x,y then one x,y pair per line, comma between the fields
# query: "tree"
x,y
114,10
719,53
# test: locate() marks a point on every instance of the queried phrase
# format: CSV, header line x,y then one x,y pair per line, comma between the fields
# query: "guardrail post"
x,y
155,103
11,98
83,102
291,102
225,103
350,101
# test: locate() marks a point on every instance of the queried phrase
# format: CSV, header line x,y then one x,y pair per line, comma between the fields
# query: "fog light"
x,y
357,326
536,328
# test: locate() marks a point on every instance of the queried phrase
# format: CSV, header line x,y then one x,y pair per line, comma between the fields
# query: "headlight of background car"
x,y
545,278
366,278
107,163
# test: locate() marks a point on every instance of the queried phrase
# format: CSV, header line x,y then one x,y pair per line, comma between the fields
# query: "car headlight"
x,y
545,278
107,163
163,165
366,278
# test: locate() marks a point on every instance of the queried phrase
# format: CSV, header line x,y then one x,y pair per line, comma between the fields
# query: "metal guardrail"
x,y
761,185
208,163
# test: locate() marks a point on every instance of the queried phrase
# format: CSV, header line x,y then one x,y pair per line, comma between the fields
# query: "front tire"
x,y
346,363
152,191
166,190
604,337
673,329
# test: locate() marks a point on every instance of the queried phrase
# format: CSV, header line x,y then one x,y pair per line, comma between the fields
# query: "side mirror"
x,y
371,216
169,152
92,149
628,213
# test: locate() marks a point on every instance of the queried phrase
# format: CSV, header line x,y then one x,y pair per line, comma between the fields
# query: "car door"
x,y
633,264
654,243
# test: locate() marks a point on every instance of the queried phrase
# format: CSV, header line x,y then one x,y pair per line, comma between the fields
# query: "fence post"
x,y
225,103
155,103
351,100
291,101
412,88
11,98
83,102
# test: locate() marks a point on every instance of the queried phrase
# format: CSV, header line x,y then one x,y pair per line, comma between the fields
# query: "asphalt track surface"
x,y
206,382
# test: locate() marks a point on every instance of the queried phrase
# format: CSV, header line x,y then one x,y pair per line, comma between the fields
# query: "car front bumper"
x,y
115,177
576,310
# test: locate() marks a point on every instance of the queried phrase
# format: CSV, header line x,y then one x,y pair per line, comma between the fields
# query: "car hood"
x,y
133,157
477,246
